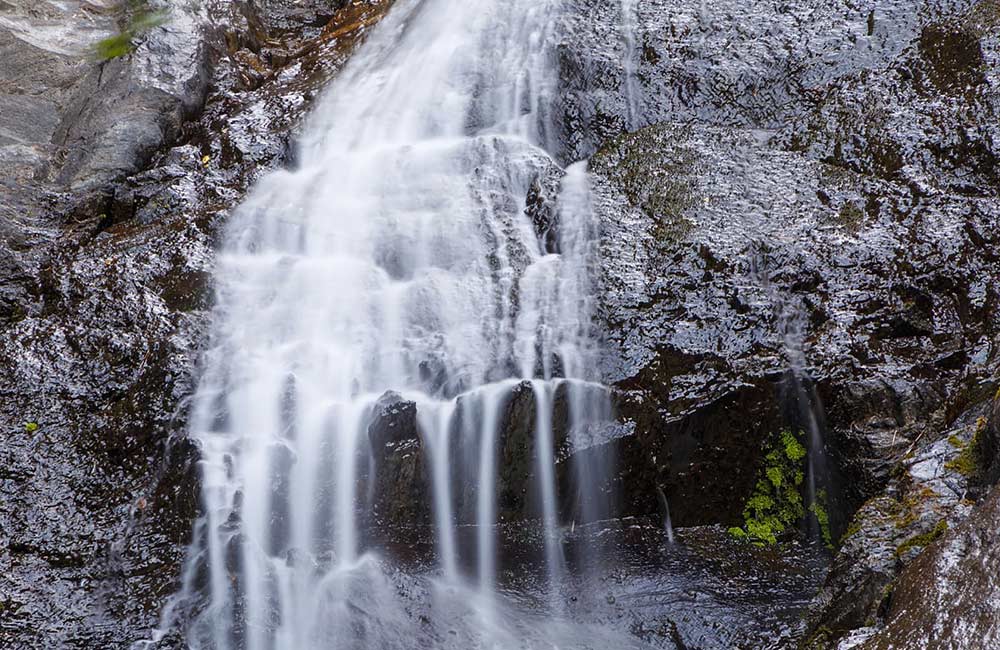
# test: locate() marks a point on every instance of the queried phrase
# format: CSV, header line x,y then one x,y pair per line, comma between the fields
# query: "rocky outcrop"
x,y
928,494
808,234
401,490
732,279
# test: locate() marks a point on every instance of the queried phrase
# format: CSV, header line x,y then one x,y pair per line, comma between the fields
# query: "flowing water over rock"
x,y
396,264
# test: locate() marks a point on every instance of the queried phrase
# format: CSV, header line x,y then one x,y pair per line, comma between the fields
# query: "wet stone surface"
x,y
811,185
705,590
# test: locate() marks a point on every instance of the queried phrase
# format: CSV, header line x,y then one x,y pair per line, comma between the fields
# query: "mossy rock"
x,y
776,503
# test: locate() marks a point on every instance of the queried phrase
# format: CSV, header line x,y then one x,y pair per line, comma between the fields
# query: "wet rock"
x,y
517,483
932,128
734,257
542,210
704,463
753,65
927,494
400,493
989,446
517,464
854,263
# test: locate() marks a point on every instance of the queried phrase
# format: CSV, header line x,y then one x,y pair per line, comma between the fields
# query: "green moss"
x,y
820,639
853,529
969,460
113,47
909,508
819,510
906,518
924,539
776,503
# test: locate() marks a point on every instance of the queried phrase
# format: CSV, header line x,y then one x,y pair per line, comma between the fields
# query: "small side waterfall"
x,y
810,413
398,261
630,28
790,317
668,525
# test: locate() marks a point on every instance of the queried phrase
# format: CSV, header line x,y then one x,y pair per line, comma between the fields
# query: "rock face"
x,y
925,497
96,327
947,597
808,240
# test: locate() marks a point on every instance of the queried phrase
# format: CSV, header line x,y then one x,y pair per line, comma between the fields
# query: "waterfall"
x,y
398,259
791,317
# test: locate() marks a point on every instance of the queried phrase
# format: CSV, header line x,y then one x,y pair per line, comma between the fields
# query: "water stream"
x,y
630,30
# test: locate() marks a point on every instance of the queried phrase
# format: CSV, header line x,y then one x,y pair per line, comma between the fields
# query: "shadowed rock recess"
x,y
798,208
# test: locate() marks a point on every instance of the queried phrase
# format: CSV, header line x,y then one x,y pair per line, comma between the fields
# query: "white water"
x,y
398,257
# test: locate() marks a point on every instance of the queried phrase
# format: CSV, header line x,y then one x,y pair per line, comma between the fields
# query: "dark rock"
x,y
401,490
517,482
705,462
542,210
989,446
724,287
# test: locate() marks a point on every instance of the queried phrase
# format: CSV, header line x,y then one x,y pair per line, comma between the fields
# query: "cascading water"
x,y
397,257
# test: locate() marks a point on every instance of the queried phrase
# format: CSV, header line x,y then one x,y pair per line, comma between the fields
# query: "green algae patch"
x,y
853,529
819,510
776,504
141,20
